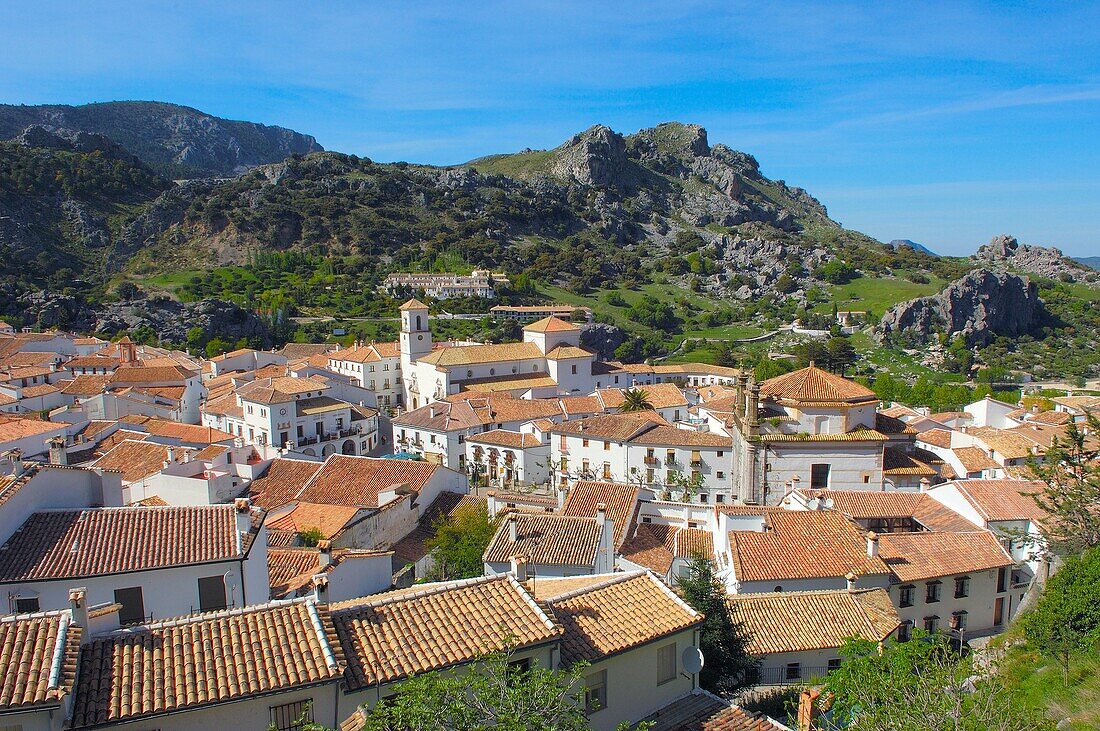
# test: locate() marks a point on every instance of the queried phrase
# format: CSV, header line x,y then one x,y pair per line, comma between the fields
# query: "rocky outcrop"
x,y
596,156
602,339
173,321
164,212
979,307
1006,252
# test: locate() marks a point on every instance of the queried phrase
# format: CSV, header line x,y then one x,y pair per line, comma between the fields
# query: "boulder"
x,y
602,338
1006,252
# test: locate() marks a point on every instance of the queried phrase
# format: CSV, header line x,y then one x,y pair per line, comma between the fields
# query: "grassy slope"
x,y
1038,683
877,294
518,165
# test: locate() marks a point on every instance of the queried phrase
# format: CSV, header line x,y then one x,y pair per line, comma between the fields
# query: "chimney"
x,y
171,455
513,527
78,606
607,540
491,503
519,568
58,455
243,509
753,405
320,588
324,549
560,493
872,544
851,579
15,461
807,709
925,484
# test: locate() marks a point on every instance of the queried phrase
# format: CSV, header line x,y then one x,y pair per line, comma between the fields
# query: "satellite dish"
x,y
692,660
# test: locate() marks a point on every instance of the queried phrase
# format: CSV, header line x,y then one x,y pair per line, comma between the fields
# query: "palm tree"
x,y
635,399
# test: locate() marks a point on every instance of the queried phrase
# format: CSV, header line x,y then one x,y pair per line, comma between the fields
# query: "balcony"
x,y
696,462
652,461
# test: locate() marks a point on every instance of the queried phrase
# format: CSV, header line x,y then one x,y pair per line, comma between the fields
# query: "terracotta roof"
x,y
205,660
97,541
702,711
117,437
137,459
43,389
572,405
549,587
621,502
466,410
28,646
868,504
812,384
281,482
413,546
899,462
551,324
626,610
224,405
211,451
356,481
191,433
859,435
150,374
1003,499
153,501
659,395
504,438
706,369
613,427
974,459
461,355
892,425
279,390
290,571
13,428
509,382
1011,443
30,359
655,546
936,437
429,627
293,351
546,538
802,545
565,352
675,437
799,621
929,555
413,304
1056,418
329,519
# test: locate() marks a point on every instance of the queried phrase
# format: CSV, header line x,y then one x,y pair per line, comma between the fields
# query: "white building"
x,y
508,459
480,283
375,367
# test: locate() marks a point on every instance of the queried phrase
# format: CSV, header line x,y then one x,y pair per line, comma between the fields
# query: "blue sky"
x,y
946,123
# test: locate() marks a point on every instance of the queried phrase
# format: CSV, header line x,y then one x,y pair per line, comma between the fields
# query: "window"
x,y
574,368
720,475
932,592
720,453
702,497
866,479
834,664
24,604
607,446
584,442
962,586
520,666
931,624
585,466
719,498
905,595
666,663
211,593
595,692
649,477
905,631
670,456
133,608
819,476
1002,579
794,670
958,620
607,470
292,716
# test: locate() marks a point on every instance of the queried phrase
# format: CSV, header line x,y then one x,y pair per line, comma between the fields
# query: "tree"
x,y
490,693
727,664
918,685
840,354
1066,619
1071,490
836,271
459,542
635,399
811,351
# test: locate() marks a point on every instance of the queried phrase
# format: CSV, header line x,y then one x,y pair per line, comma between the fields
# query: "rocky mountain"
x,y
176,141
979,306
895,243
1006,252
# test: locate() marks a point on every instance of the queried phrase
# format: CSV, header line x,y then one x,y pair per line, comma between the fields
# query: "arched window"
x,y
418,322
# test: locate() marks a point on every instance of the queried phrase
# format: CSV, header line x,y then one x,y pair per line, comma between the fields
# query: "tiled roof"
x,y
659,395
812,384
799,621
702,711
413,304
627,610
278,390
655,546
974,459
97,541
892,425
859,435
551,324
466,410
391,636
356,481
205,660
614,427
117,437
504,438
549,587
44,389
150,374
329,519
28,647
137,459
565,352
899,462
929,555
706,369
282,481
802,545
675,437
546,538
1011,443
293,351
13,428
620,500
413,546
461,355
936,437
571,405
867,504
286,565
211,451
225,405
190,433
495,384
1056,418
1004,499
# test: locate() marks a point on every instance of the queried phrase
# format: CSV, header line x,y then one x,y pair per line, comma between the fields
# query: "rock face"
x,y
1006,252
980,306
174,140
596,156
603,339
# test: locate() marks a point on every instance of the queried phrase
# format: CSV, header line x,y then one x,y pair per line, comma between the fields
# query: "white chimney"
x,y
491,503
171,455
851,579
605,562
324,549
872,544
560,492
78,606
513,527
243,508
58,455
320,588
601,513
925,484
519,568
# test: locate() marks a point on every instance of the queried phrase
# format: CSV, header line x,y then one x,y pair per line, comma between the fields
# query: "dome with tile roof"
x,y
813,385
